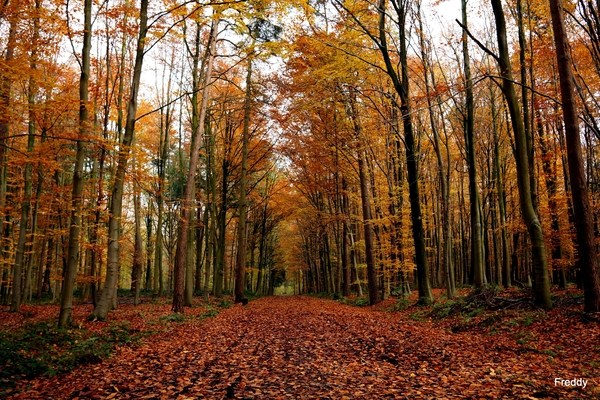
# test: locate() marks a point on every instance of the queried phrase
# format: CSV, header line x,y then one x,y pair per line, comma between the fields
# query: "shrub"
x,y
361,301
173,318
401,304
225,303
44,349
209,314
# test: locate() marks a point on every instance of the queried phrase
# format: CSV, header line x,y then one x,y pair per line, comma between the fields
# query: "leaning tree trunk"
x,y
588,257
534,227
116,206
187,205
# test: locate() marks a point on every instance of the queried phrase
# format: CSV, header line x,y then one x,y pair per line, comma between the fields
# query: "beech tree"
x,y
186,208
588,256
66,305
107,298
540,263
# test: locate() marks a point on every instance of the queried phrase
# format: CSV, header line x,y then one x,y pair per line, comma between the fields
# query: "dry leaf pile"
x,y
302,347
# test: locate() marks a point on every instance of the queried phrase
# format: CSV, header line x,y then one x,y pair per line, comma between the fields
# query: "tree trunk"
x,y
365,195
26,203
588,257
477,259
446,232
116,206
66,304
240,272
5,88
506,275
368,227
138,258
34,225
534,227
200,230
187,204
345,242
401,85
148,283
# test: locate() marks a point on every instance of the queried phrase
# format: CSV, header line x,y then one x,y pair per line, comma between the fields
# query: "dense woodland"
x,y
205,148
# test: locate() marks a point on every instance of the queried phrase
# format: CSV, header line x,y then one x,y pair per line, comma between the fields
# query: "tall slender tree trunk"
x,y
210,215
401,85
26,203
200,232
5,90
240,272
588,257
189,272
3,132
527,125
550,172
506,275
66,303
534,227
365,195
345,241
187,204
368,228
107,297
477,259
149,249
138,257
27,292
446,232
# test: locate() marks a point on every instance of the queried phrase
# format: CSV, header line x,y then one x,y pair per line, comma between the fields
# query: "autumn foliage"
x,y
156,152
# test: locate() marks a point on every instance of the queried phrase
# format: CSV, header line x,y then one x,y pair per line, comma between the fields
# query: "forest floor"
x,y
307,348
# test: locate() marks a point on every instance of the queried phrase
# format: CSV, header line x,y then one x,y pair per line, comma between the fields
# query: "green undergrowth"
x,y
486,309
251,296
210,312
42,348
322,295
357,301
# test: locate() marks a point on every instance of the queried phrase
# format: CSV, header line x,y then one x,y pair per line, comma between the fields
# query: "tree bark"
x,y
240,272
401,85
477,259
66,304
138,258
116,206
187,204
588,257
506,275
446,234
534,227
26,203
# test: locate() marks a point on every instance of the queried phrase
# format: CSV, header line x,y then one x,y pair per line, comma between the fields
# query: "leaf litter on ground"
x,y
302,347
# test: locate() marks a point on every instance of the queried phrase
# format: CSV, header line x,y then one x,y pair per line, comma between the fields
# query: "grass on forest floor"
x,y
41,348
31,344
490,309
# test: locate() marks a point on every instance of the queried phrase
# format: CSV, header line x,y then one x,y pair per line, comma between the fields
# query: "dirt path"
x,y
300,347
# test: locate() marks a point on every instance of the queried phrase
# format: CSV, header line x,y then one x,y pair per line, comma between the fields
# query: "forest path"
x,y
302,347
